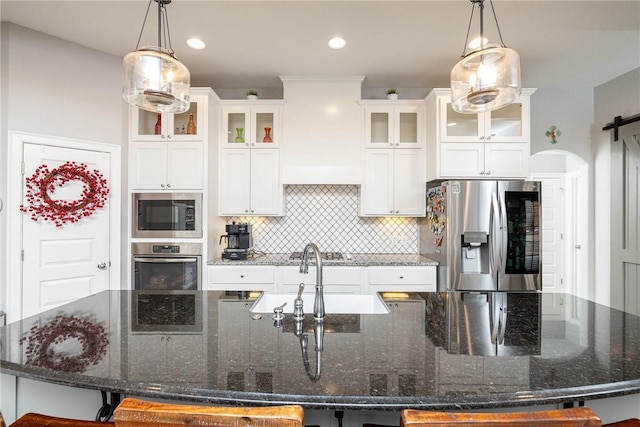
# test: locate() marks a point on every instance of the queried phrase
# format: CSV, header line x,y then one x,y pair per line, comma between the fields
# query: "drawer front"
x,y
330,276
422,275
241,274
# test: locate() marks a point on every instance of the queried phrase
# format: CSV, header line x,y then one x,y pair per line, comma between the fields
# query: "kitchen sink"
x,y
333,303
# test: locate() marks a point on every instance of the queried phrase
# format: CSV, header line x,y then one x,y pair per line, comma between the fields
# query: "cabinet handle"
x,y
162,136
161,185
168,338
402,277
481,172
488,172
168,136
242,276
246,144
391,144
397,211
397,144
253,144
489,137
391,211
168,185
252,210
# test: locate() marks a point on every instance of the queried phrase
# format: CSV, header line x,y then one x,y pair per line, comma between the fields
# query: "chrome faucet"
x,y
318,333
318,305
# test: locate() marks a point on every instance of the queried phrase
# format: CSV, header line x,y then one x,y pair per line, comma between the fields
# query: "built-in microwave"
x,y
167,215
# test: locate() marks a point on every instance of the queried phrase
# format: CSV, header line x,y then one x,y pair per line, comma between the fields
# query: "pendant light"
x,y
154,79
487,77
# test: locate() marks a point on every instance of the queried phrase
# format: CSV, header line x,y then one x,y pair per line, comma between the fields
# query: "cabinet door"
x,y
146,353
234,344
148,162
458,127
265,125
236,127
509,124
409,126
234,182
266,192
409,183
377,185
379,126
142,123
185,166
462,160
507,160
185,357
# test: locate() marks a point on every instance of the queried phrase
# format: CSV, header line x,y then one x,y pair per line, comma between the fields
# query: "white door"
x,y
553,226
625,243
64,263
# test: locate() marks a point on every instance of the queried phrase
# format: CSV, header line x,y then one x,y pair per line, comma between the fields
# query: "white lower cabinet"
x,y
337,280
173,358
241,278
402,278
478,160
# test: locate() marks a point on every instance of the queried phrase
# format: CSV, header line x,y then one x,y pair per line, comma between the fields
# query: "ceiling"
x,y
403,44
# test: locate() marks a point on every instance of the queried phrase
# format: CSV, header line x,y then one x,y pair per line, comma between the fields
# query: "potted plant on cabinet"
x,y
392,94
252,95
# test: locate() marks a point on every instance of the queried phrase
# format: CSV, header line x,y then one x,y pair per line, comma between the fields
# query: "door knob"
x,y
102,265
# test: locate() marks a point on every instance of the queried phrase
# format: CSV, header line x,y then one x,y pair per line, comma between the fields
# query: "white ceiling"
x,y
404,44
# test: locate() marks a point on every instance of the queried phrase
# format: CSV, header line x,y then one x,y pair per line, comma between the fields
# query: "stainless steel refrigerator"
x,y
484,234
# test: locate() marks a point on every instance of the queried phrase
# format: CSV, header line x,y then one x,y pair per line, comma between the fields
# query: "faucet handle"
x,y
278,312
300,289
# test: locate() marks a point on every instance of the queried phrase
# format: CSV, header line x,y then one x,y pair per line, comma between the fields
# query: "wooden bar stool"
x,y
138,413
631,422
571,417
39,420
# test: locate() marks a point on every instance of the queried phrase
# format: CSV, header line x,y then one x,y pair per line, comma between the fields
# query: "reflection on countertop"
x,y
424,353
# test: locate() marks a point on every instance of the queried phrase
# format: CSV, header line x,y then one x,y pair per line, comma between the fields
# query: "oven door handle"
x,y
165,260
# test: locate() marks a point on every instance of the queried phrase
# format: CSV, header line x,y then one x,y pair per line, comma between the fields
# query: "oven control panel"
x,y
166,249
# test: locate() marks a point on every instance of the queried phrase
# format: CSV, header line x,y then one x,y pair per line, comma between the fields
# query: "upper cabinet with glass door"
x,y
394,124
251,124
508,124
148,126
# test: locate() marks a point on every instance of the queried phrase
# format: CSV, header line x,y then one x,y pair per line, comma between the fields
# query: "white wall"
x,y
618,97
52,87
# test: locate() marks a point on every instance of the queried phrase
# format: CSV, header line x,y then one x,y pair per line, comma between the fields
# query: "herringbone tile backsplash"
x,y
328,216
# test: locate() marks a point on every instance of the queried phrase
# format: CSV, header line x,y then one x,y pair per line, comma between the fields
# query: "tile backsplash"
x,y
328,216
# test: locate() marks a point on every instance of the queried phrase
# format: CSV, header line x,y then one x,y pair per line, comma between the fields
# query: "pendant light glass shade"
x,y
486,80
156,81
487,77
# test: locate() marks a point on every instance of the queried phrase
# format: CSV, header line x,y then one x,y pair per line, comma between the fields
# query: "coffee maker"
x,y
239,241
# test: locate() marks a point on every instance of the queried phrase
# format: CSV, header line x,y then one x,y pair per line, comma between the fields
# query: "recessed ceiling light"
x,y
196,43
337,43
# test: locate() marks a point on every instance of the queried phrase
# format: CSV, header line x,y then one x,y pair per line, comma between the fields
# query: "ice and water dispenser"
x,y
474,256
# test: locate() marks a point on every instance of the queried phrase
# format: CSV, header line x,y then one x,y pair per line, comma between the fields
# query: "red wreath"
x,y
42,341
44,182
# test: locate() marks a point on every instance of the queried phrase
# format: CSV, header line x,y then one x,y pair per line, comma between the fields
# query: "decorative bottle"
x,y
158,129
239,134
191,126
267,135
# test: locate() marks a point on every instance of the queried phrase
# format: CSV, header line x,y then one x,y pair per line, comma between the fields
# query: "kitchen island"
x,y
430,351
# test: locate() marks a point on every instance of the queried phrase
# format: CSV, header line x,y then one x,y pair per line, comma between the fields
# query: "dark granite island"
x,y
432,351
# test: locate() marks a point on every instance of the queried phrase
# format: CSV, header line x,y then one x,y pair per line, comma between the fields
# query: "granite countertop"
x,y
363,260
431,351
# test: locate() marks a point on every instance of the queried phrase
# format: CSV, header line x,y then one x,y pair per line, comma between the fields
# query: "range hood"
x,y
322,130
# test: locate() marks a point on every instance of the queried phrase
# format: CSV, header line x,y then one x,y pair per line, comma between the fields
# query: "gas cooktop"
x,y
328,256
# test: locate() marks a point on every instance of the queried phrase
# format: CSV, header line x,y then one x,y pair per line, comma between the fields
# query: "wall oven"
x,y
167,266
167,215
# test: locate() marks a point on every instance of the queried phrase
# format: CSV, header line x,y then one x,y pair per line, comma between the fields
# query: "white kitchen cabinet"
x,y
249,183
393,183
336,279
173,127
488,160
241,277
493,144
250,124
166,165
507,124
166,357
421,278
397,124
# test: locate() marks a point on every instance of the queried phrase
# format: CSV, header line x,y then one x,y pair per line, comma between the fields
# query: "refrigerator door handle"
x,y
503,233
496,235
503,318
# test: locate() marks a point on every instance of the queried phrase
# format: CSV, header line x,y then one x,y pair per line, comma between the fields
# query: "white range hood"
x,y
322,130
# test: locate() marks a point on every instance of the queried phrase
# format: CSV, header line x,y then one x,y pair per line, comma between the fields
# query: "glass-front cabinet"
x,y
187,126
507,124
256,124
394,124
